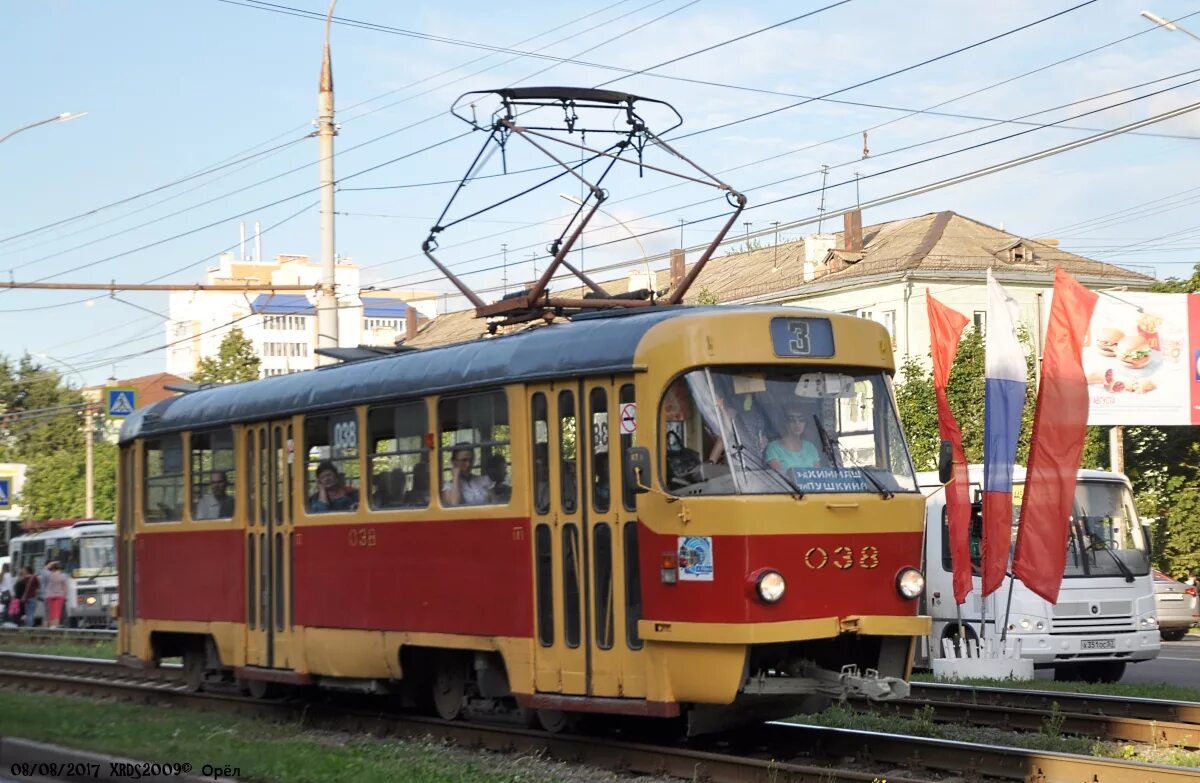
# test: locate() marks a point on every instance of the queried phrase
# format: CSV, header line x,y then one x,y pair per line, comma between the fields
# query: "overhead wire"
x,y
1037,126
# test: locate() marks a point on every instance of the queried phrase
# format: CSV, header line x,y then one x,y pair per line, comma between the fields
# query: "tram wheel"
x,y
261,689
556,721
449,688
193,669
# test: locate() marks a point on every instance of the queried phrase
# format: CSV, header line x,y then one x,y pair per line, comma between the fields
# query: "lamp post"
x,y
66,116
1168,25
89,443
327,312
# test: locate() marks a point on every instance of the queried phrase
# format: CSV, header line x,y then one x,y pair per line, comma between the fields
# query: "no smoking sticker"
x,y
628,418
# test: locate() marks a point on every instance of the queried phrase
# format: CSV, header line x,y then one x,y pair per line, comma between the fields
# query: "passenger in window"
x,y
216,504
418,495
389,488
600,481
333,493
465,488
496,469
541,477
792,450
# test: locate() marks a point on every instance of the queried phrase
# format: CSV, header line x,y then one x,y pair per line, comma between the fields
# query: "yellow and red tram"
x,y
702,512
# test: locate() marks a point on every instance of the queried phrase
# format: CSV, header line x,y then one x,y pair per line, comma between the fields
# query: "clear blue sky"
x,y
174,88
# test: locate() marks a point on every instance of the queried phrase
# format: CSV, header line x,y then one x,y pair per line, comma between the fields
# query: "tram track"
x,y
772,752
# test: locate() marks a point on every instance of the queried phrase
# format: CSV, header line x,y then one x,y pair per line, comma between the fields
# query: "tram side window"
x,y
399,457
164,479
332,469
541,453
213,474
476,451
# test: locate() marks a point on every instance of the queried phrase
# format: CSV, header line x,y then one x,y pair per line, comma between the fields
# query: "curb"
x,y
29,760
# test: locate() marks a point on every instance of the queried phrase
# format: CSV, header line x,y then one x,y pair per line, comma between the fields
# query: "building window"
x,y
980,319
888,319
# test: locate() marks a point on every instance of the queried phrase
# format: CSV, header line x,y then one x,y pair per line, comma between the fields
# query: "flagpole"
x,y
1007,609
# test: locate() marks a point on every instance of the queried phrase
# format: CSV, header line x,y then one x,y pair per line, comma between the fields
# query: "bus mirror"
x,y
945,461
1148,533
637,469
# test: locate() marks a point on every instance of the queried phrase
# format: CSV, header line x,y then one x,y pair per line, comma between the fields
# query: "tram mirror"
x,y
825,384
945,461
637,469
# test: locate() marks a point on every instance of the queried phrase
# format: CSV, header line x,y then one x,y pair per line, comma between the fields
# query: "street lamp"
x,y
66,116
1167,24
89,441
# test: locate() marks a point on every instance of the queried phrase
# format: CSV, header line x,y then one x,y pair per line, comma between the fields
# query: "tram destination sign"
x,y
830,480
802,337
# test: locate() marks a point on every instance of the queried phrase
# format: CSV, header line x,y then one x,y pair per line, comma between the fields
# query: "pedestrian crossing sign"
x,y
121,402
5,493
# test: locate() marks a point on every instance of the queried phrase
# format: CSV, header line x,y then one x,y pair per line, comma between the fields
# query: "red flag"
x,y
1059,428
945,329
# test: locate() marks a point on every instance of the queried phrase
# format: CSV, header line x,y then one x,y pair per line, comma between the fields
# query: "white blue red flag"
x,y
1005,379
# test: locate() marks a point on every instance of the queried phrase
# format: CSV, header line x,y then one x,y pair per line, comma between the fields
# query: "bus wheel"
x,y
1067,672
449,687
193,669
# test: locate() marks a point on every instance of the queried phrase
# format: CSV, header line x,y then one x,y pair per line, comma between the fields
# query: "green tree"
x,y
707,297
39,413
55,484
965,390
235,361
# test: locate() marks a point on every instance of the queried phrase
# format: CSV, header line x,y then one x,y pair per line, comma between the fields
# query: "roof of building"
x,y
934,242
298,304
149,388
601,344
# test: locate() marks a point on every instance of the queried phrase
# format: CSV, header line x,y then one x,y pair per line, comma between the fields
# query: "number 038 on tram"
x,y
693,512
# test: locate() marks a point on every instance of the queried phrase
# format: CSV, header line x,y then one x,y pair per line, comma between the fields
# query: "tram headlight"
x,y
770,586
910,583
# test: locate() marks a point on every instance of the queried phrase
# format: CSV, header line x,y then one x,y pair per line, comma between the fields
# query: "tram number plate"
x,y
1098,644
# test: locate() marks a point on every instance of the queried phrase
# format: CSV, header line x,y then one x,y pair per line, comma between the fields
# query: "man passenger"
x,y
217,504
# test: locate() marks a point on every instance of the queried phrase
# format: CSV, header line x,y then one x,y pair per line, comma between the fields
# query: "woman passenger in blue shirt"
x,y
791,450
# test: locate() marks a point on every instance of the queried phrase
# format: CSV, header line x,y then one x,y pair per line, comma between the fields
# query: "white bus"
x,y
1105,615
87,554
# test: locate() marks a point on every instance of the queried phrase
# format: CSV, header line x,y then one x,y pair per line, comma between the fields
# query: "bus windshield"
x,y
783,430
1105,537
96,556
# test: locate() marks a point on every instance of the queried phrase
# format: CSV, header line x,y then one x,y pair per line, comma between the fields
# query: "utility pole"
x,y
89,435
821,209
776,262
747,224
504,278
327,313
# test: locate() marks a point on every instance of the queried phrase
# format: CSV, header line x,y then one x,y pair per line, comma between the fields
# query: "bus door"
x,y
269,545
609,418
559,541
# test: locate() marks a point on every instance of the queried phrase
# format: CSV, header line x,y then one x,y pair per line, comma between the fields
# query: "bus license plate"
x,y
1098,644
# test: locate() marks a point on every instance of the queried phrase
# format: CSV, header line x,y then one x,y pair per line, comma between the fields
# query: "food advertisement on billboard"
x,y
1142,359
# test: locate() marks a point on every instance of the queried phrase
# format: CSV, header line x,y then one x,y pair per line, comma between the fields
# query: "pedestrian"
x,y
55,591
27,592
6,596
1191,578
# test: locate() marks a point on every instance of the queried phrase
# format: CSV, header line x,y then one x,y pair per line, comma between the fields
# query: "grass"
x,y
253,750
1159,690
104,648
1050,738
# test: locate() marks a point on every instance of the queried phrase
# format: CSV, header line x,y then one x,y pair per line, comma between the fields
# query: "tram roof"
x,y
600,344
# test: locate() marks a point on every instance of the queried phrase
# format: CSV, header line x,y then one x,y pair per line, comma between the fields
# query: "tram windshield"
x,y
753,431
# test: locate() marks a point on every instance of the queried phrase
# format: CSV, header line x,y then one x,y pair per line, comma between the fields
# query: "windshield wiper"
x,y
829,443
740,452
1097,543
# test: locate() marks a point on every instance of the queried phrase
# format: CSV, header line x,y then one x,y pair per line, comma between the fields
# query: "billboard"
x,y
1142,359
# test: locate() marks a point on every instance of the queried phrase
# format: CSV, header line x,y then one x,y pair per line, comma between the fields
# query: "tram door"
x,y
269,534
578,522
